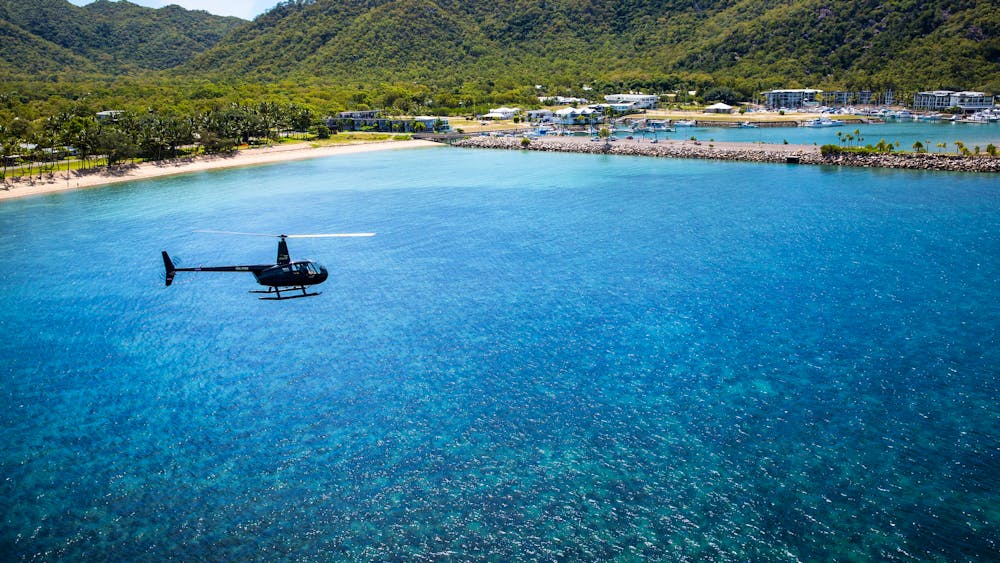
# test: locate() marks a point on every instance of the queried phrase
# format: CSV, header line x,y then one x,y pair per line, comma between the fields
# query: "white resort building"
x,y
562,100
576,116
945,99
539,115
638,101
502,113
791,98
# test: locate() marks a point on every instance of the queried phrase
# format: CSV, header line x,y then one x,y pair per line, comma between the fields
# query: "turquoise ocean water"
x,y
539,356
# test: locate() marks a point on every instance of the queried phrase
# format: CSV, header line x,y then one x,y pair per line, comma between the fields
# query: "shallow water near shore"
x,y
539,356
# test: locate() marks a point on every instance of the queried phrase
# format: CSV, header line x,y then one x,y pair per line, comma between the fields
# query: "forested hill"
x,y
505,45
106,37
754,44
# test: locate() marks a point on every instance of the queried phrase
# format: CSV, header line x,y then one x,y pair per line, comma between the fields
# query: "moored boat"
x,y
821,122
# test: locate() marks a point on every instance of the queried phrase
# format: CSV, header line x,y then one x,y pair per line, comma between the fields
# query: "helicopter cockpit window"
x,y
312,268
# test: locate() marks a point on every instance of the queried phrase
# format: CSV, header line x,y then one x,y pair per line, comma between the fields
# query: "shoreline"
x,y
59,182
742,152
669,148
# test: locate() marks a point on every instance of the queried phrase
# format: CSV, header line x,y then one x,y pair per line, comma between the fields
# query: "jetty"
x,y
742,152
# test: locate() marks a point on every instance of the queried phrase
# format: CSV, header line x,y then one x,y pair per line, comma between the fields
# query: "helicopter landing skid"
x,y
279,297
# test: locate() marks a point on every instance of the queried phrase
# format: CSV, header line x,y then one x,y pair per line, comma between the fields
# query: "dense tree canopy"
x,y
106,37
903,44
501,46
191,76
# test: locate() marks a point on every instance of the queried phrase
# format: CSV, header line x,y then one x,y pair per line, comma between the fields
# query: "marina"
x,y
934,136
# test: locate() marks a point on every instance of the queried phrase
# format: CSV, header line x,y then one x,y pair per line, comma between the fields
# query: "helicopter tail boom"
x,y
171,269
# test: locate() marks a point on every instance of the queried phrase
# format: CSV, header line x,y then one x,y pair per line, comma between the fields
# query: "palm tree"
x,y
177,130
269,115
299,118
115,144
8,148
605,133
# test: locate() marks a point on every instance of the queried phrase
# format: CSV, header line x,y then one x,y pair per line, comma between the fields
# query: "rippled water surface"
x,y
539,356
933,136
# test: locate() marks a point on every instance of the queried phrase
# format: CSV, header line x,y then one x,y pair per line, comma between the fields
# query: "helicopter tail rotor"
x,y
168,264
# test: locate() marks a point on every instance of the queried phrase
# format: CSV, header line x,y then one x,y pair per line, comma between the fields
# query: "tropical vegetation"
x,y
183,78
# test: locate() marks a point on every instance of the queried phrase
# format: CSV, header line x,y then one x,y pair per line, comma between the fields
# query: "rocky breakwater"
x,y
915,161
743,152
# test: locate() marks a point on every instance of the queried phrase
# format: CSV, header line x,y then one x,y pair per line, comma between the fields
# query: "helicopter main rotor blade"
x,y
237,233
331,235
286,236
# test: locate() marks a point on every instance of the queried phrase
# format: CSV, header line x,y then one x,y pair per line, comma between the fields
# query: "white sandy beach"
x,y
249,157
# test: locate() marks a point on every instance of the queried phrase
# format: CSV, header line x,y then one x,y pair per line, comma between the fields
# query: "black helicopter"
x,y
285,275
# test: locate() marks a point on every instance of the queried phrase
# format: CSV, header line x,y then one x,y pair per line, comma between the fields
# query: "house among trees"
x,y
109,115
363,114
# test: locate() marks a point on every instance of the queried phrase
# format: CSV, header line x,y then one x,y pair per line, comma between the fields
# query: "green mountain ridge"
x,y
26,52
104,37
505,47
905,44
